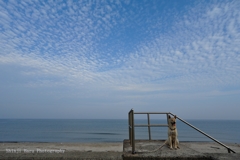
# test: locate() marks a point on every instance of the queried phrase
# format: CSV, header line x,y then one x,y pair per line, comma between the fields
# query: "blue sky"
x,y
99,59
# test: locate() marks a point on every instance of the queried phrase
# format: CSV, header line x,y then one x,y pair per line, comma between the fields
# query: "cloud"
x,y
126,50
63,42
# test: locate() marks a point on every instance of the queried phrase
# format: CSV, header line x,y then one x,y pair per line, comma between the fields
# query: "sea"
x,y
111,130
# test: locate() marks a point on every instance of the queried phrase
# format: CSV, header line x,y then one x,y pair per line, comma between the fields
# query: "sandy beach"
x,y
67,147
61,150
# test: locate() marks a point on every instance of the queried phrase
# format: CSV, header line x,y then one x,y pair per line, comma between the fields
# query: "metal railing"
x,y
132,128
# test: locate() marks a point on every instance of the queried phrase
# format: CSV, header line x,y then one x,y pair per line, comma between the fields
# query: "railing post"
x,y
130,127
167,119
133,133
229,151
149,129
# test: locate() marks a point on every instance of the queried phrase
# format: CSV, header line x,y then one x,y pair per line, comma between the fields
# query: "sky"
x,y
98,59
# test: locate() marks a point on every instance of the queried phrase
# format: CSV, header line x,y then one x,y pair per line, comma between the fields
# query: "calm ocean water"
x,y
78,130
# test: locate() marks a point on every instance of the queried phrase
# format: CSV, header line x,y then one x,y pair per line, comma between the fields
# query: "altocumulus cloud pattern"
x,y
63,59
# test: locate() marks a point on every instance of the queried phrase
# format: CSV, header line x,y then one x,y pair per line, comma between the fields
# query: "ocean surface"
x,y
100,130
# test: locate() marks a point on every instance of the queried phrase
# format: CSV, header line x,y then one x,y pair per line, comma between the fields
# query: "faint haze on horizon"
x,y
98,59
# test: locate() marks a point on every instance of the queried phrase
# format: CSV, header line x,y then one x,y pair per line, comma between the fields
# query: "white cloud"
x,y
101,47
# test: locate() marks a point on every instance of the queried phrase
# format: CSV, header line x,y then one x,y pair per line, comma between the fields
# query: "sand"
x,y
61,150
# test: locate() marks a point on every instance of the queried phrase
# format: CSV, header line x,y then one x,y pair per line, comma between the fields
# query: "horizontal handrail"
x,y
152,112
152,125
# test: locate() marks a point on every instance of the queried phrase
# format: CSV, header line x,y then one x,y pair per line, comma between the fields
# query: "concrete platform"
x,y
188,150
